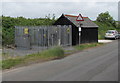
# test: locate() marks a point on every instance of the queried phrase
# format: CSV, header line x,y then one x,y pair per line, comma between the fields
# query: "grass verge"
x,y
88,45
50,54
6,64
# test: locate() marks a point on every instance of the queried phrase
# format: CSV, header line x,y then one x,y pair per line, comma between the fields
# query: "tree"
x,y
106,18
53,18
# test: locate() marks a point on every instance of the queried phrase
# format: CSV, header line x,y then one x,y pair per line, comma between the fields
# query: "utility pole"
x,y
80,33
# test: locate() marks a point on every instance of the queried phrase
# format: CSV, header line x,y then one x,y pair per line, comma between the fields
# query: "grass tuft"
x,y
56,52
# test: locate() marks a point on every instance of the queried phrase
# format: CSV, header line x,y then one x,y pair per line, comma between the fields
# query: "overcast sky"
x,y
41,9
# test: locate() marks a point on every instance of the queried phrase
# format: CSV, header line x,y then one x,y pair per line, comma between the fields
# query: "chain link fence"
x,y
42,37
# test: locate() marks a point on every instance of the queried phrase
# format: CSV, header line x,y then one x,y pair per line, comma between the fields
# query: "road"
x,y
95,64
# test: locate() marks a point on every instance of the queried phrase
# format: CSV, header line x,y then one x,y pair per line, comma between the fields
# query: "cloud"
x,y
60,0
40,9
119,11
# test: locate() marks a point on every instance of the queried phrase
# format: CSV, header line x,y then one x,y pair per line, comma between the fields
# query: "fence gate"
x,y
43,36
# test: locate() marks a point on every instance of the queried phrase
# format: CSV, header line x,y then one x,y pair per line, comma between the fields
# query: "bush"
x,y
8,24
55,52
102,29
7,36
106,18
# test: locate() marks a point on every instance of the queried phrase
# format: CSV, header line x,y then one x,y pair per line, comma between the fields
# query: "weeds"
x,y
84,46
52,53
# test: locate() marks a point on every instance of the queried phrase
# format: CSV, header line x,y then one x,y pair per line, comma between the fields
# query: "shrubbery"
x,y
106,18
8,24
103,27
105,22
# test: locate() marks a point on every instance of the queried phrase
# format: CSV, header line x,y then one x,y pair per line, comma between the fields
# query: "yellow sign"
x,y
68,30
25,30
44,35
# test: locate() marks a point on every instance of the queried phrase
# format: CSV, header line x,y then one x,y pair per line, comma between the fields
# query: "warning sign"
x,y
68,30
25,30
44,35
79,18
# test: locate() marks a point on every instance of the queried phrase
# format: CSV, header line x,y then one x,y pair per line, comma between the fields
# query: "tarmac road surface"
x,y
95,64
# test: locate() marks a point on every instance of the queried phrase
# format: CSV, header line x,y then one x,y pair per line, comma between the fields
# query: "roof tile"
x,y
86,23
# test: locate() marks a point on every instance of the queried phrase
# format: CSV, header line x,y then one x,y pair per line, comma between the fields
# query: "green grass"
x,y
6,64
49,54
0,60
53,52
84,46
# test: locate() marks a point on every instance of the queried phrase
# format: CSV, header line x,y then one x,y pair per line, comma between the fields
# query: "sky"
x,y
39,9
119,11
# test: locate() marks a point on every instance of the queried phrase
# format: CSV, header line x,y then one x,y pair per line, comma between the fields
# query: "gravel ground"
x,y
23,52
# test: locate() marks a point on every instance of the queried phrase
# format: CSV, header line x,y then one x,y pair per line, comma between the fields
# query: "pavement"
x,y
95,64
105,41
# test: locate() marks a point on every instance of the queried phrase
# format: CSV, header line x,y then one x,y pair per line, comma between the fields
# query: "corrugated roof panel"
x,y
86,23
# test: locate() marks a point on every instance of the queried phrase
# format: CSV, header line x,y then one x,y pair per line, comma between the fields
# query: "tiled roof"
x,y
73,16
86,23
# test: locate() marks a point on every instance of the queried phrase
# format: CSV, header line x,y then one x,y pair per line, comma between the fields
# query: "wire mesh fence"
x,y
27,37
